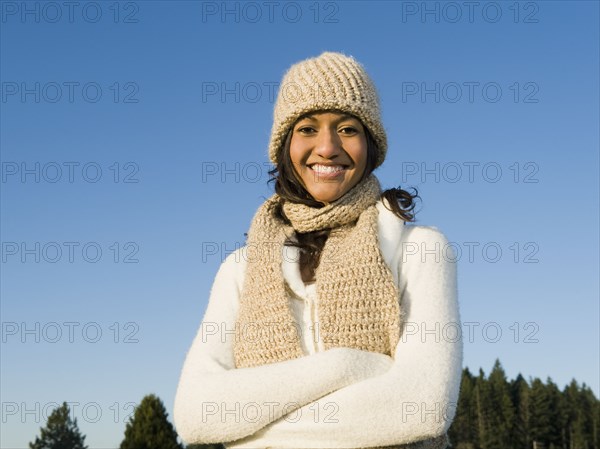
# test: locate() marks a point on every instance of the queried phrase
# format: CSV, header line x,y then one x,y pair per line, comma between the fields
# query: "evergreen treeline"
x,y
61,432
149,427
492,413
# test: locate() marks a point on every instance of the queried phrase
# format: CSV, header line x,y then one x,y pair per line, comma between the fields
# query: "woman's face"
x,y
329,153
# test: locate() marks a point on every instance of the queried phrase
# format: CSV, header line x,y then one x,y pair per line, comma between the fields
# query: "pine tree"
x,y
556,414
520,393
544,413
464,426
590,410
481,401
595,430
500,410
61,432
149,427
573,418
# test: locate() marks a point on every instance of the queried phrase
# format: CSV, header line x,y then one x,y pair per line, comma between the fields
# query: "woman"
x,y
329,329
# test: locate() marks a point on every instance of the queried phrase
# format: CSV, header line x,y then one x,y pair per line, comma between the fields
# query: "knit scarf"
x,y
358,303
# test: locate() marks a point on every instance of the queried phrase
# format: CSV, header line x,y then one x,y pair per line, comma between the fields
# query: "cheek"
x,y
296,153
360,158
297,158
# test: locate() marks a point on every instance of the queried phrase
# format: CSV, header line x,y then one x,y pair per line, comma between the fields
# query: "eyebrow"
x,y
312,117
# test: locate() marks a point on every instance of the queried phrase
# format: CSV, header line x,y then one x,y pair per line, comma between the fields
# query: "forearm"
x,y
382,410
232,404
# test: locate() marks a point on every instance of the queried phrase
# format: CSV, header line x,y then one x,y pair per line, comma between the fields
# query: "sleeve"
x,y
416,398
215,402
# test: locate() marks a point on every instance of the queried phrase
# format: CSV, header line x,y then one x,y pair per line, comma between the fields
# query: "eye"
x,y
305,130
349,130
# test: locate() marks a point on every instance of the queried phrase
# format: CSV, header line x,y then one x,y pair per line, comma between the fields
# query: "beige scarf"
x,y
357,298
358,301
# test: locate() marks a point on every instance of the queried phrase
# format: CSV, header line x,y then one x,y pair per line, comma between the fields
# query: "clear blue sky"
x,y
137,132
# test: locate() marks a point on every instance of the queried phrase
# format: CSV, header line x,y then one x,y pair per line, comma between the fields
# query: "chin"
x,y
326,198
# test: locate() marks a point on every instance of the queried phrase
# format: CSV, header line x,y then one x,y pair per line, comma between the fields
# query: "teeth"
x,y
327,168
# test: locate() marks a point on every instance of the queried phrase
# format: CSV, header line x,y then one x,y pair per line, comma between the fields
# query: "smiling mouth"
x,y
327,169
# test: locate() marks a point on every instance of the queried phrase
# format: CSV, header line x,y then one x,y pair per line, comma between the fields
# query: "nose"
x,y
328,145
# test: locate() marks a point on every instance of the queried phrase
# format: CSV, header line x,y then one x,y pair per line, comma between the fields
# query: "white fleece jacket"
x,y
336,398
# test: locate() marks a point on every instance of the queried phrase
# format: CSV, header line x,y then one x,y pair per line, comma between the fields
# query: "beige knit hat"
x,y
329,81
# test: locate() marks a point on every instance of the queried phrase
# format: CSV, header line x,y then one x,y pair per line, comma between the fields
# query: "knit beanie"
x,y
331,81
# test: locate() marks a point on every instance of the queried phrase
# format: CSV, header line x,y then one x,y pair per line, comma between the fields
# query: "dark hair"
x,y
289,188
